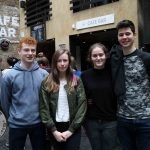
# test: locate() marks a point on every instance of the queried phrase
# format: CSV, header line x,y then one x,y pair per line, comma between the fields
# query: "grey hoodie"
x,y
20,95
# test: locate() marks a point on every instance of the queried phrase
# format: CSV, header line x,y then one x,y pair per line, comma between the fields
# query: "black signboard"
x,y
39,32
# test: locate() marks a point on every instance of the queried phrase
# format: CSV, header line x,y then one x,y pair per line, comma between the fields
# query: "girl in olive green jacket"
x,y
63,103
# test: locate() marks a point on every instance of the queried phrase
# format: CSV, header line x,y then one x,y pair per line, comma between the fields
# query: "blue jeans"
x,y
134,134
17,138
102,134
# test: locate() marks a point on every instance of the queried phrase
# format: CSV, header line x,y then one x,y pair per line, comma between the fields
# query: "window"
x,y
38,32
79,5
37,11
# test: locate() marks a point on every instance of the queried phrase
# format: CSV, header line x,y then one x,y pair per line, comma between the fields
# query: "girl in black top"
x,y
100,122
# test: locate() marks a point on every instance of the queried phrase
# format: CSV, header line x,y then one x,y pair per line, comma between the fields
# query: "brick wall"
x,y
14,3
9,28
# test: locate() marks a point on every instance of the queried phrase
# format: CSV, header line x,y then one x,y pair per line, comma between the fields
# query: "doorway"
x,y
47,47
80,44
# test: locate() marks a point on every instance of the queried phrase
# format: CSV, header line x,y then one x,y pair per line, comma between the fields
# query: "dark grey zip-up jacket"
x,y
117,68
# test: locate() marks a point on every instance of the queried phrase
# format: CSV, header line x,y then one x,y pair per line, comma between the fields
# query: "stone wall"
x,y
9,29
14,3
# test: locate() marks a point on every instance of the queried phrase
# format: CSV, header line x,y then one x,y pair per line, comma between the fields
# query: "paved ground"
x,y
85,145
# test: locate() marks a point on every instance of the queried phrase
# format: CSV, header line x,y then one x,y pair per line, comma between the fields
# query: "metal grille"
x,y
37,11
79,5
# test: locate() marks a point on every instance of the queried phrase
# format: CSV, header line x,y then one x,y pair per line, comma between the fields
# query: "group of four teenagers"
x,y
104,100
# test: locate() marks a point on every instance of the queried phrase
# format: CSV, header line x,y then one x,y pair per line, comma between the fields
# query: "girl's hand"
x,y
66,134
59,136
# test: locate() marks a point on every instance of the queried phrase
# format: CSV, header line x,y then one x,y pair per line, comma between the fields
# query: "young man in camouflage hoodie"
x,y
130,73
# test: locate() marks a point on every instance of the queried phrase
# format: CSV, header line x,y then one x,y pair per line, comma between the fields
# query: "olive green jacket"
x,y
77,106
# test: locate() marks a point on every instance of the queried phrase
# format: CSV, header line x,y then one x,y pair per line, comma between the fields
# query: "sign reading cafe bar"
x,y
8,25
108,19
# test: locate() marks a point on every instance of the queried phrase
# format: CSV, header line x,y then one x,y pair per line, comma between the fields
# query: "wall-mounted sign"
x,y
39,32
60,46
8,25
4,43
108,19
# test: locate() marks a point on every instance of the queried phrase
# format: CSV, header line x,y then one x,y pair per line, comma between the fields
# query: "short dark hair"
x,y
125,24
42,59
12,61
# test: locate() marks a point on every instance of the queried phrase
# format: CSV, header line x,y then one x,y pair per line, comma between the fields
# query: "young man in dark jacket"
x,y
20,98
130,73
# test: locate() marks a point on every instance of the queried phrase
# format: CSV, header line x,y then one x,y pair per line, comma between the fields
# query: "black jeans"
x,y
17,138
72,143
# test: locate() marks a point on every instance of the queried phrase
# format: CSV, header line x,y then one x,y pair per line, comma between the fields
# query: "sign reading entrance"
x,y
108,19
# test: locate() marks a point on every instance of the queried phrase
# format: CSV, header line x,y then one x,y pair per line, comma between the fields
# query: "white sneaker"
x,y
7,144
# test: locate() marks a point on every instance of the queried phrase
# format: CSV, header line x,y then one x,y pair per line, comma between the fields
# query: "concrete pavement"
x,y
85,145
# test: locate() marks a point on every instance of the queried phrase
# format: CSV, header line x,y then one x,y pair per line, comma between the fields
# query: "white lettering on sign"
x,y
38,27
6,20
8,25
3,32
11,32
108,19
15,21
1,23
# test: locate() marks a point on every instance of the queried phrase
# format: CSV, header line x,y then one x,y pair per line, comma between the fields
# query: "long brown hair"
x,y
73,63
52,83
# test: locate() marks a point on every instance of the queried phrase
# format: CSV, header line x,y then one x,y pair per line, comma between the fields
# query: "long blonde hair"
x,y
52,83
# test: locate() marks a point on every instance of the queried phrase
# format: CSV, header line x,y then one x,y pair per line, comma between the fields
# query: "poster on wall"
x,y
39,32
60,46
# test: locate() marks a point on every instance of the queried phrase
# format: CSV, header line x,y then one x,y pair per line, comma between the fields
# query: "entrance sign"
x,y
3,124
108,19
